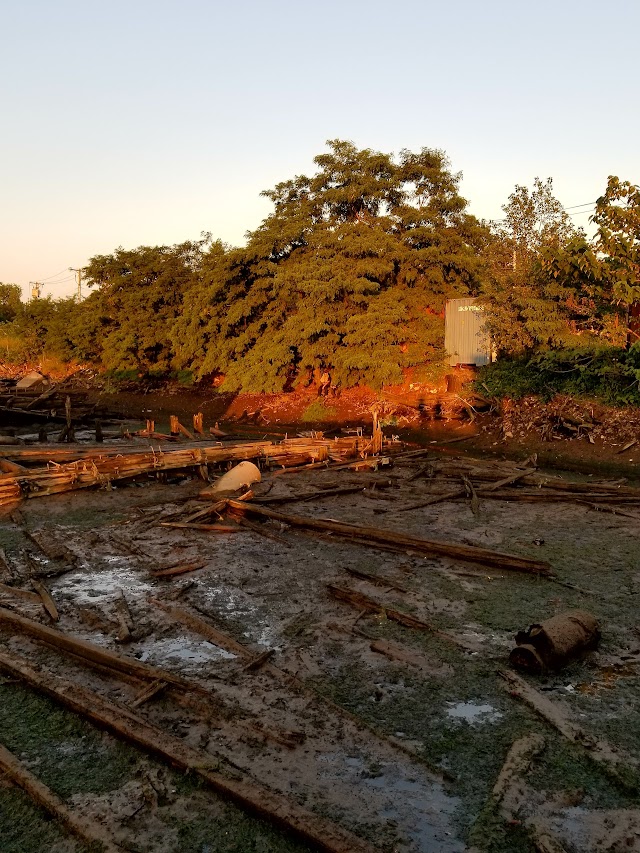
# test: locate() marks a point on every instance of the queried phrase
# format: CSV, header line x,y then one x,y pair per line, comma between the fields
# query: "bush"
x,y
318,411
608,374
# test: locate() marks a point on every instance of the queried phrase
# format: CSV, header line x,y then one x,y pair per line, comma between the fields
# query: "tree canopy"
x,y
349,274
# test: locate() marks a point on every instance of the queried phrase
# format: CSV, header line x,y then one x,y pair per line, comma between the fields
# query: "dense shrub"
x,y
608,374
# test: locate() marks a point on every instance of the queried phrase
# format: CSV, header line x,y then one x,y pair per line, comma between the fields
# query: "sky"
x,y
147,122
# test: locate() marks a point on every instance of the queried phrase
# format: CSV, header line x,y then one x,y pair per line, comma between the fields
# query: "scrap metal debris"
x,y
552,644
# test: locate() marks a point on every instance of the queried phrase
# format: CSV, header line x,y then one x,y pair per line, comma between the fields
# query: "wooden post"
x,y
69,435
197,423
174,425
376,444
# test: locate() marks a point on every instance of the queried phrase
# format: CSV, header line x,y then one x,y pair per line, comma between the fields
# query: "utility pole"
x,y
79,280
36,288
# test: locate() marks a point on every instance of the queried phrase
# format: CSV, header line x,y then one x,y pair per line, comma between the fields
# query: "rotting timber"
x,y
260,671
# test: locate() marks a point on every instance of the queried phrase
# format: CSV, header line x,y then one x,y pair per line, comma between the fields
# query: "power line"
x,y
60,281
586,204
589,204
53,276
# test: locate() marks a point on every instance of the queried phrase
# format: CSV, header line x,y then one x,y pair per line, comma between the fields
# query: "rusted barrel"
x,y
555,642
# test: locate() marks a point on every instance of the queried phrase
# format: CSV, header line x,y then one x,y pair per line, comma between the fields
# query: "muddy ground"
x,y
404,754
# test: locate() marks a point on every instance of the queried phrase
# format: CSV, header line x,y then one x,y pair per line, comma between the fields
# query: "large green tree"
x,y
528,307
139,294
617,217
9,301
350,272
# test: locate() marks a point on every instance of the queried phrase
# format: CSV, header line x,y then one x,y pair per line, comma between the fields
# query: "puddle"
x,y
182,652
422,810
240,606
473,713
86,585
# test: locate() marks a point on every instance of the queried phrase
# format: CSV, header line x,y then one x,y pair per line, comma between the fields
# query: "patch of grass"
x,y
23,827
231,832
12,539
66,753
318,411
491,834
564,767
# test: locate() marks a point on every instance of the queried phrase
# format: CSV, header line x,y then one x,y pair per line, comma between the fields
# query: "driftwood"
x,y
210,528
614,762
370,605
320,494
615,510
195,623
178,570
258,661
214,509
87,830
437,499
377,580
8,467
47,601
148,692
52,549
401,654
125,620
508,481
466,553
89,652
516,763
319,832
17,592
259,529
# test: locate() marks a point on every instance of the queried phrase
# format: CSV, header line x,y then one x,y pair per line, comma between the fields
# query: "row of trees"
x,y
350,272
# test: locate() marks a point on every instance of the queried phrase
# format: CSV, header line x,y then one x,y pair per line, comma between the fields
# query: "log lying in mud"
x,y
365,603
89,652
614,762
88,831
199,626
319,832
373,535
516,763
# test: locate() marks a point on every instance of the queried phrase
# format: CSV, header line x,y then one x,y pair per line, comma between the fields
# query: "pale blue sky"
x,y
148,121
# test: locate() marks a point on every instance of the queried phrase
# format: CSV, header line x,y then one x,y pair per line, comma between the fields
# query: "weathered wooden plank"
x,y
285,813
466,553
87,830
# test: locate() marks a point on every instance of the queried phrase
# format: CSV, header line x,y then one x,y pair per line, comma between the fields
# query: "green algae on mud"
x,y
72,757
24,828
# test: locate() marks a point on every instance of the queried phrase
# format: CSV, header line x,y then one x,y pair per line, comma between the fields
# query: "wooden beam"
x,y
466,553
89,651
320,833
87,830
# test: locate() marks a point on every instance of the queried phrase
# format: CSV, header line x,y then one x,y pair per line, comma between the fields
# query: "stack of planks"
x,y
80,469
